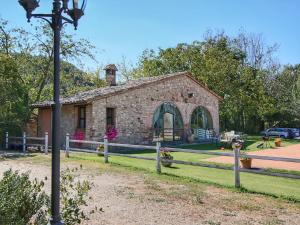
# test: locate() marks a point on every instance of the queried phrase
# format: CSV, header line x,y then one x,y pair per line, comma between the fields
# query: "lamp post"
x,y
56,20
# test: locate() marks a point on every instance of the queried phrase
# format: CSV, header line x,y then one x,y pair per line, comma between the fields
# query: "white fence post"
x,y
237,182
67,145
46,143
158,166
6,140
105,150
24,142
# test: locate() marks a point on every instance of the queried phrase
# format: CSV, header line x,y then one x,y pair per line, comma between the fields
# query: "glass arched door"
x,y
167,122
201,123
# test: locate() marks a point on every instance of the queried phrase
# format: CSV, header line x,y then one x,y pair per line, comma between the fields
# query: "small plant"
x,y
246,162
79,135
100,149
166,155
111,133
246,158
73,196
278,142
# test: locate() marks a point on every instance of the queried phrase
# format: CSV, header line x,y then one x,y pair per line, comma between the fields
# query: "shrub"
x,y
73,196
23,201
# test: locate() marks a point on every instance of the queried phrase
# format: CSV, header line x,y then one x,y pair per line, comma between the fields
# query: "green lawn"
x,y
251,144
274,186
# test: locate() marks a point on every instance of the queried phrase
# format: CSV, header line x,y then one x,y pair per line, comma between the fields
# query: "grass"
x,y
161,190
273,186
250,144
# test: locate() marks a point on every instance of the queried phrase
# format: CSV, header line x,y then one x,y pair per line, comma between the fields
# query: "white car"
x,y
276,132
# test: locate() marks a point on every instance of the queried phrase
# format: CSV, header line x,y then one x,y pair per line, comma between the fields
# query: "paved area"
x,y
292,151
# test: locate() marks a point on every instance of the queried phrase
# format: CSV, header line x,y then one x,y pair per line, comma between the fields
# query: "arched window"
x,y
167,122
201,123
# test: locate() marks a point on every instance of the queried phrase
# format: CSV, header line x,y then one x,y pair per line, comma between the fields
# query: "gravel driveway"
x,y
142,199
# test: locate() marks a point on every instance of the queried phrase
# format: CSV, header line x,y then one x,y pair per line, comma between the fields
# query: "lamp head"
x,y
29,6
77,12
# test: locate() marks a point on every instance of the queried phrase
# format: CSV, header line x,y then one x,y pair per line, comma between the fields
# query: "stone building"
x,y
173,107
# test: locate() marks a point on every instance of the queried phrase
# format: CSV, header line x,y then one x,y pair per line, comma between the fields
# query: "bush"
x,y
73,196
23,201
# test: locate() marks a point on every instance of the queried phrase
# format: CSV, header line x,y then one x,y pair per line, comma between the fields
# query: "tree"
x,y
14,96
285,87
235,68
27,69
40,74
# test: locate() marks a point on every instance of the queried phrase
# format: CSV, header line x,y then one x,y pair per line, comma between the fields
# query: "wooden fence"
x,y
25,141
236,155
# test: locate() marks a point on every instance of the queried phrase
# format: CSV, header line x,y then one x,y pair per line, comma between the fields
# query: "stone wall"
x,y
69,121
135,108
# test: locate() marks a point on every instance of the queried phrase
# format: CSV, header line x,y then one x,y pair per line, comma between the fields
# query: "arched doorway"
x,y
167,122
202,123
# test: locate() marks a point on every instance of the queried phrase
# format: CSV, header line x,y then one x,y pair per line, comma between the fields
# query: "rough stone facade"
x,y
135,107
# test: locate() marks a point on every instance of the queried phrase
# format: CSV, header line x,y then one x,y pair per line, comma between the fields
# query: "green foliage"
x,y
21,199
14,108
73,196
26,71
238,69
36,63
285,87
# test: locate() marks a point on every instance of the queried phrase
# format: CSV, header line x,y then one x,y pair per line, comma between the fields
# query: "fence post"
x,y
24,142
46,143
6,140
158,166
105,150
67,145
237,182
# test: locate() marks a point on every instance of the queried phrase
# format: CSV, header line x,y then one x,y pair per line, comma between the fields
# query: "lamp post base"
x,y
56,223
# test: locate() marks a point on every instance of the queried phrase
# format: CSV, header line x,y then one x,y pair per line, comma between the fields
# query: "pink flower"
x,y
111,133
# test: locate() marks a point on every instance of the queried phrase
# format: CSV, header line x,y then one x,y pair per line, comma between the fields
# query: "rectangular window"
x,y
81,117
110,117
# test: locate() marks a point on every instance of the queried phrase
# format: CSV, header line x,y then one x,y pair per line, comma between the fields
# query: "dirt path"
x,y
140,199
292,151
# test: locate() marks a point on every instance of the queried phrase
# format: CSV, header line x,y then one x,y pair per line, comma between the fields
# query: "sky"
x,y
124,28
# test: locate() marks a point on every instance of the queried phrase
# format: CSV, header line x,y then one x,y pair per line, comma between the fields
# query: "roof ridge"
x,y
85,96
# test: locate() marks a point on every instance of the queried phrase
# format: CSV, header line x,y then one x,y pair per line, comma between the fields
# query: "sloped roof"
x,y
87,96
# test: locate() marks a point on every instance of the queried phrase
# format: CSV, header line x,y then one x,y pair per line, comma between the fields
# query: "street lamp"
x,y
56,21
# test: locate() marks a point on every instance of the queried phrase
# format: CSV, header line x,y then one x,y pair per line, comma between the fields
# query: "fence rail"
x,y
25,139
236,156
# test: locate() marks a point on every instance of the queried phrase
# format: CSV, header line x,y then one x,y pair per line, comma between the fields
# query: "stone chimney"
x,y
110,74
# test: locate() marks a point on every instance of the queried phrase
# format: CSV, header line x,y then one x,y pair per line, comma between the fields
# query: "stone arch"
x,y
167,122
201,123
